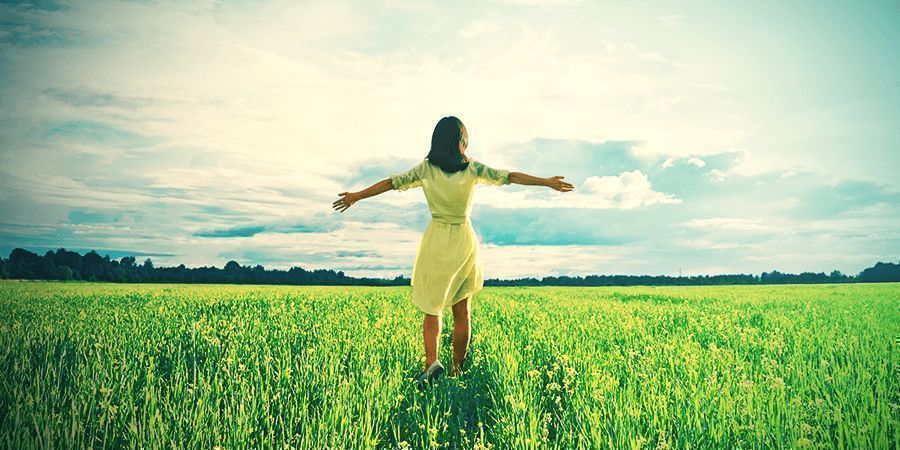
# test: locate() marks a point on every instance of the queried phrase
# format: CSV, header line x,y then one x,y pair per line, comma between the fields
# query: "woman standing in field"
x,y
448,269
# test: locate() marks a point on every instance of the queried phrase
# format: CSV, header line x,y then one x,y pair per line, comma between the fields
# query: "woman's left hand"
x,y
347,200
558,184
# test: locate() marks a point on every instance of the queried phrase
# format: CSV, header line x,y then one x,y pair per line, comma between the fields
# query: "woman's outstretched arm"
x,y
349,198
551,182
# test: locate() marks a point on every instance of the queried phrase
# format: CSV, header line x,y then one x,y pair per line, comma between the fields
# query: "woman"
x,y
448,269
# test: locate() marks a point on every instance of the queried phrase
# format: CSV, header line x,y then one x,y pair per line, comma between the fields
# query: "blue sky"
x,y
710,137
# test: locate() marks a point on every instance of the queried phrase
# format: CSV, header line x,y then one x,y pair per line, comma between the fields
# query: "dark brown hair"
x,y
448,134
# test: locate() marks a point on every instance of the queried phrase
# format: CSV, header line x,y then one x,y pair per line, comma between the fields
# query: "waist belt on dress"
x,y
449,219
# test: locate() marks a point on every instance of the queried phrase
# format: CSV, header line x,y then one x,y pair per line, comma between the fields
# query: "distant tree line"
x,y
67,265
774,277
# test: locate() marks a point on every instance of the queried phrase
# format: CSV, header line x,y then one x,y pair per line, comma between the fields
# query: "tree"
x,y
23,264
881,272
64,273
72,260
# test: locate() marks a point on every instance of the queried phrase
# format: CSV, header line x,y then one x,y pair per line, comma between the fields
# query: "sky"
x,y
701,137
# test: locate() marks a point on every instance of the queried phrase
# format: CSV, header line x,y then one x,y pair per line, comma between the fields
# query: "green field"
x,y
205,366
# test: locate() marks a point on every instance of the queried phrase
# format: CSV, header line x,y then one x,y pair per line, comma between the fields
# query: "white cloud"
x,y
716,175
518,261
670,20
656,57
711,86
712,244
696,161
252,83
478,28
667,163
627,190
665,103
734,224
543,3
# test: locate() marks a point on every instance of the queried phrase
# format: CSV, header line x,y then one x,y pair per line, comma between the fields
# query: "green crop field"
x,y
207,366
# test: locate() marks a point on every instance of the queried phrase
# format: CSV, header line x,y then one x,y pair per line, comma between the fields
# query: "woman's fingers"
x,y
339,204
342,203
561,185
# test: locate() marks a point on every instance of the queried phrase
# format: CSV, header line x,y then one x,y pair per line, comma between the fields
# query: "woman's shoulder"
x,y
424,164
476,166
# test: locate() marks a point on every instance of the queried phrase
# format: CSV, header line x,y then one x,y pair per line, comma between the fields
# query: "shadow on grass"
x,y
458,408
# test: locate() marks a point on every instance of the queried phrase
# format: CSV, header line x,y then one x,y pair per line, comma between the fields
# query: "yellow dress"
x,y
448,267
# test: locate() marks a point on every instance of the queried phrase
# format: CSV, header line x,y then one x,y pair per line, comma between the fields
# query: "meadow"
x,y
90,365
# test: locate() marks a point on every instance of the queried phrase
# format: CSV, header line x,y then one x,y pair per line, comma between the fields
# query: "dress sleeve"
x,y
409,179
490,175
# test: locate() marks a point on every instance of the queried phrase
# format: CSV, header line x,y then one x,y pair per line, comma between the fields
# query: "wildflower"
x,y
778,382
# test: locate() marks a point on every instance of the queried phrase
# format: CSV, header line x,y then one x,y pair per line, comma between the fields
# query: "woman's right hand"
x,y
558,184
347,200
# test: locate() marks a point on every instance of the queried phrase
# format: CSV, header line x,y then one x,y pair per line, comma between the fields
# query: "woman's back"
x,y
449,195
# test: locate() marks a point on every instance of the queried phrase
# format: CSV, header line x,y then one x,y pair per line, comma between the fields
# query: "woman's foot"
x,y
432,373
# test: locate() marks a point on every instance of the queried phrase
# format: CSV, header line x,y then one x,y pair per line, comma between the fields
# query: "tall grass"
x,y
204,366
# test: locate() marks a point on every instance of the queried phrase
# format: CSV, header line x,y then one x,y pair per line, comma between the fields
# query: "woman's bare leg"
x,y
462,331
431,329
